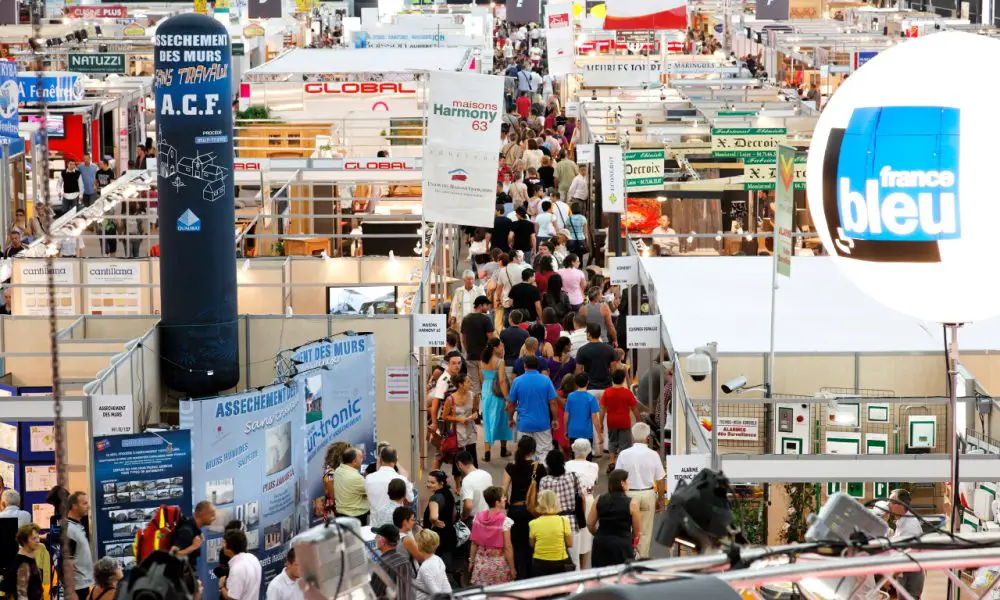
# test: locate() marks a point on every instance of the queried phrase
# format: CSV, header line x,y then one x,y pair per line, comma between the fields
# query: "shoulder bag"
x,y
501,372
581,519
531,499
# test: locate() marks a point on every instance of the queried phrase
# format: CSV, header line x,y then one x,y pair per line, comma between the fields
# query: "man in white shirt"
x,y
578,189
474,481
645,482
377,484
577,337
286,585
10,508
243,581
907,528
665,246
464,296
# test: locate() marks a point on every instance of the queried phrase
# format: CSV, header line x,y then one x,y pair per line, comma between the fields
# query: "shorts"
x,y
619,439
475,376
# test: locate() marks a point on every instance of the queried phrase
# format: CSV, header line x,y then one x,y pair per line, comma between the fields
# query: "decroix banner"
x,y
523,11
774,10
464,114
255,439
194,121
339,400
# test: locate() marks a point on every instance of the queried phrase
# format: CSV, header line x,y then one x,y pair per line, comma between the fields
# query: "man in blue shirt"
x,y
534,398
88,175
582,412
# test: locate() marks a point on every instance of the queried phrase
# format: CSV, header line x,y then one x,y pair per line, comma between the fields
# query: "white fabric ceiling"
x,y
728,300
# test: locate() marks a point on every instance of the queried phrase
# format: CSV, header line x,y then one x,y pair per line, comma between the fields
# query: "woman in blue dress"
x,y
496,427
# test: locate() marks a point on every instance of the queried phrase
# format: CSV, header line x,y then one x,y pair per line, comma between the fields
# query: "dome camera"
x,y
699,366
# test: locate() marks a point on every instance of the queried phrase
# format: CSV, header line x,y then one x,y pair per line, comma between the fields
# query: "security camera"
x,y
734,385
699,366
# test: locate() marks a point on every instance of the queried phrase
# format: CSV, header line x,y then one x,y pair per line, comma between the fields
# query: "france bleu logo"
x,y
897,178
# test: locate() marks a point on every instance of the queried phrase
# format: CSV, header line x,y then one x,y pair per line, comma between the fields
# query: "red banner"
x,y
99,11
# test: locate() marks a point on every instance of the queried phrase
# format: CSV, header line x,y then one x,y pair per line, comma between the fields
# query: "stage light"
x,y
699,512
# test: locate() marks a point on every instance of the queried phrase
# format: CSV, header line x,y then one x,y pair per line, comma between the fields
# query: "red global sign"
x,y
378,165
247,165
351,88
97,12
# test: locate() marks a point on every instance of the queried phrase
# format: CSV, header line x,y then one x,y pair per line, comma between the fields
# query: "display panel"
x,y
361,300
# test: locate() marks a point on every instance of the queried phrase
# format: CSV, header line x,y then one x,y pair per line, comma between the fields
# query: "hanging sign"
x,y
10,97
622,72
784,211
684,468
740,142
624,270
739,429
759,173
644,170
114,414
429,330
54,87
643,331
612,178
105,11
253,30
134,29
104,63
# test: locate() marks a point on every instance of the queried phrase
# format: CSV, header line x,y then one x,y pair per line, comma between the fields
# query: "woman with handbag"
x,y
460,414
520,479
439,515
569,492
551,537
496,426
579,232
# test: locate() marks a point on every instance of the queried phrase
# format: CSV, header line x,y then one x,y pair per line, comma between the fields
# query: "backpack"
x,y
158,533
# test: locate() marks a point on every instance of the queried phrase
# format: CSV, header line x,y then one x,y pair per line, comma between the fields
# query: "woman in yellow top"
x,y
551,536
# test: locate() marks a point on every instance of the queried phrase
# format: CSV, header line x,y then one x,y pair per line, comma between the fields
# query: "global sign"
x,y
101,63
52,87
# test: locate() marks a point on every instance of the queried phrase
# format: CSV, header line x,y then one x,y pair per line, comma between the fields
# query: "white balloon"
x,y
912,192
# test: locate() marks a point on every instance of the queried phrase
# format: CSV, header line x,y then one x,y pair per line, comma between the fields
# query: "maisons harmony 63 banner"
x,y
339,399
464,114
255,439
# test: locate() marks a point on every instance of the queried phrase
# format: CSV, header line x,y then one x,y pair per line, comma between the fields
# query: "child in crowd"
x,y
582,413
616,404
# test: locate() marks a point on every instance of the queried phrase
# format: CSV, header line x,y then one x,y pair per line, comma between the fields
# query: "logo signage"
x,y
784,210
644,170
10,96
264,9
253,30
699,67
760,173
97,12
101,63
612,178
624,73
743,142
188,221
256,165
902,190
54,87
862,56
134,29
352,88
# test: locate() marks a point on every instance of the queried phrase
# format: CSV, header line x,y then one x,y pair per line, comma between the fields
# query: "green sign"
x,y
881,491
644,170
103,63
856,489
238,49
832,487
737,113
740,142
784,213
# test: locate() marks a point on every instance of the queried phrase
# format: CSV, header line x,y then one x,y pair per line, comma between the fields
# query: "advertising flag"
x,y
645,14
464,114
523,11
784,209
559,38
612,178
249,460
774,10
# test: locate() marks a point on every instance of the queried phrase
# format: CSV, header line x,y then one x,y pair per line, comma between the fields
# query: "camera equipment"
x,y
161,576
699,512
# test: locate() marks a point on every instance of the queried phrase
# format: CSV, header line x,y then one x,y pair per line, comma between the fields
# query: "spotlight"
x,y
700,513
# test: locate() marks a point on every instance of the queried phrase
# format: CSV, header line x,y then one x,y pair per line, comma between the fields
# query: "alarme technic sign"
x,y
901,180
353,88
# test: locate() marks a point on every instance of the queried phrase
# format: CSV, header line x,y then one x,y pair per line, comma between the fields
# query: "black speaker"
x,y
8,545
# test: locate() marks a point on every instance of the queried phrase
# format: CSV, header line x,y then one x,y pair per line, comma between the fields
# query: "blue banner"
x,y
194,120
339,396
255,438
55,87
134,475
10,96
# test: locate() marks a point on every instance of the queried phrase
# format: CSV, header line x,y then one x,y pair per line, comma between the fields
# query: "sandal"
x,y
486,456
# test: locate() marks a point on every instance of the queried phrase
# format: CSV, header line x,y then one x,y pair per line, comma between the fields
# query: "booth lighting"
x,y
661,198
718,236
392,256
246,265
690,238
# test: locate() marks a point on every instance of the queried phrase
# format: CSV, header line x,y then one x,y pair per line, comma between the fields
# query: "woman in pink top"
x,y
491,558
574,280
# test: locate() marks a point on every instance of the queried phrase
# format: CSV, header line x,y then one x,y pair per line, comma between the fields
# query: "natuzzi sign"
x,y
255,165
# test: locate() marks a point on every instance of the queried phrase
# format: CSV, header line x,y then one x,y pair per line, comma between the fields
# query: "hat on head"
x,y
564,233
389,532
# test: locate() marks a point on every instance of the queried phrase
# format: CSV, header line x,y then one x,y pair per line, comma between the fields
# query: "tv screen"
x,y
363,300
54,125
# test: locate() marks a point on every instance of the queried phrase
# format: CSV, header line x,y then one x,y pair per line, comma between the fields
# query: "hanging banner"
x,y
114,414
773,10
559,38
523,11
760,173
632,73
339,405
103,63
612,178
254,438
122,294
80,11
644,169
464,113
741,142
784,210
10,96
133,476
264,9
645,14
54,87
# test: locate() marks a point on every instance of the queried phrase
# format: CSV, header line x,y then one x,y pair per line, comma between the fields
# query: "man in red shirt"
x,y
524,105
616,404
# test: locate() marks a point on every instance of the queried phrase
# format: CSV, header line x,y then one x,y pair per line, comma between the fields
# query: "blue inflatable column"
x,y
194,137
